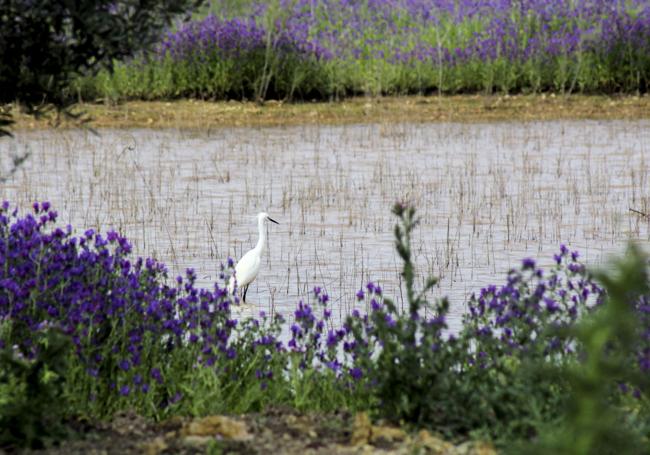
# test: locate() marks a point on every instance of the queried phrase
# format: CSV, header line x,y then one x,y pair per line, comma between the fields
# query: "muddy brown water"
x,y
489,194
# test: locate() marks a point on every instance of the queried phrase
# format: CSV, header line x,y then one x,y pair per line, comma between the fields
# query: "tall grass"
x,y
299,49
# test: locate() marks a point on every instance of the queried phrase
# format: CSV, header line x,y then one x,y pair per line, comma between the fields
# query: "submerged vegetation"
x,y
325,49
555,358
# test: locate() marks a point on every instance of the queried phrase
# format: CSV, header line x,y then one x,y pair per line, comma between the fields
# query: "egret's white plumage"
x,y
248,266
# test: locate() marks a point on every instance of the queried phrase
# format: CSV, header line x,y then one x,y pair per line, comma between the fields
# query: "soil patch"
x,y
277,431
194,114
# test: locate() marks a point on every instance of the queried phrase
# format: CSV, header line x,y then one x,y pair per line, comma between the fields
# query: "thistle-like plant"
x,y
403,358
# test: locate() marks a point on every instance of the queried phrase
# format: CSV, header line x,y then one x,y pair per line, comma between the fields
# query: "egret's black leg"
x,y
245,290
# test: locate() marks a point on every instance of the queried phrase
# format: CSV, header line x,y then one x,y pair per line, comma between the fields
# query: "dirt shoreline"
x,y
195,114
276,431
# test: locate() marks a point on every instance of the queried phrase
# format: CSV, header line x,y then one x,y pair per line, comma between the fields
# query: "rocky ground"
x,y
275,432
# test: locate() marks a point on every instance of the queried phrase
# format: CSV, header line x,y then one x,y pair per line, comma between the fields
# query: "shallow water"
x,y
488,195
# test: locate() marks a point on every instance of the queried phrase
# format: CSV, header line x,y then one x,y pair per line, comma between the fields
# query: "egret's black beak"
x,y
272,220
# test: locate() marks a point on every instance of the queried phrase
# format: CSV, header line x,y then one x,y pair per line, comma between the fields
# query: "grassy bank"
x,y
459,108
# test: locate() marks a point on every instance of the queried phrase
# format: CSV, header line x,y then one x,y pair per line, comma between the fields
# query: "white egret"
x,y
248,266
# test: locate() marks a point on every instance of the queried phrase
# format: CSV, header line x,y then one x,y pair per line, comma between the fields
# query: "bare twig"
x,y
639,213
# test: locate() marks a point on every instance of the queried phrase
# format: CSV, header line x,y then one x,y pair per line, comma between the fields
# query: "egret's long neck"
x,y
261,242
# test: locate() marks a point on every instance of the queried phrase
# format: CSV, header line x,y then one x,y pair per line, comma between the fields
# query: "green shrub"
x,y
32,401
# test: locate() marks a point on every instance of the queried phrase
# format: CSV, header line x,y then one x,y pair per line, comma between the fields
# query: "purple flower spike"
x,y
155,374
551,305
356,373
